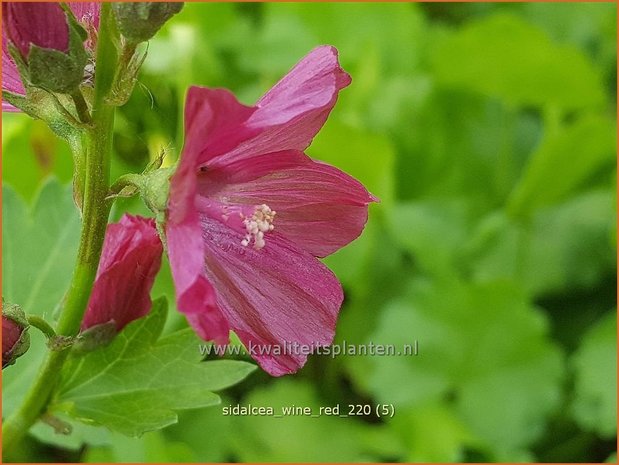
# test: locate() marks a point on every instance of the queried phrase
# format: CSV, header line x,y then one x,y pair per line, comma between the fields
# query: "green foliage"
x,y
150,448
268,437
39,247
38,254
589,144
595,404
496,56
497,370
134,385
432,433
38,153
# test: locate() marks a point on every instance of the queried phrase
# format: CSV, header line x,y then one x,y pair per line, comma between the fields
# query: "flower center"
x,y
257,225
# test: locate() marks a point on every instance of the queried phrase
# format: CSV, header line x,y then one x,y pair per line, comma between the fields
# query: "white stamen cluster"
x,y
260,223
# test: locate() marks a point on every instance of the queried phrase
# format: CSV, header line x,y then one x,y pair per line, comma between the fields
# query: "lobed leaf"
x,y
135,384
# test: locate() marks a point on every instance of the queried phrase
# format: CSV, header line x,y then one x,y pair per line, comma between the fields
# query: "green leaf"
x,y
150,448
505,57
134,385
18,378
564,247
291,438
432,433
433,231
589,26
81,434
451,139
292,29
483,353
564,161
39,247
595,364
212,447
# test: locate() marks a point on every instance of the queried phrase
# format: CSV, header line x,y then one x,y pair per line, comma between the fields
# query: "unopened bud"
x,y
15,337
140,21
49,42
130,260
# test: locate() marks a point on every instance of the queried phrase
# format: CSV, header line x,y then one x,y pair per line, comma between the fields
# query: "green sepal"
x,y
126,77
57,71
155,188
140,21
153,185
95,337
14,313
41,103
74,23
53,70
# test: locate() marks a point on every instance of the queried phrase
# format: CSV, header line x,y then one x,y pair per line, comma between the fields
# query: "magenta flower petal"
x,y
319,207
248,213
41,24
272,296
11,81
87,13
11,334
309,89
285,118
293,111
130,260
213,112
194,294
15,337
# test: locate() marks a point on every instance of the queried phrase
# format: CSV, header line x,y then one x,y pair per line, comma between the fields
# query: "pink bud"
x,y
41,24
11,332
15,338
130,261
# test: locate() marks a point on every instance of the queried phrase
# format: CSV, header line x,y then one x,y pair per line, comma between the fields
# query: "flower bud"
x,y
130,260
50,43
140,21
154,188
15,337
40,24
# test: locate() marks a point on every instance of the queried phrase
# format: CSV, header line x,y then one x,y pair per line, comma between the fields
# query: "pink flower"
x,y
15,338
11,334
249,213
130,261
42,24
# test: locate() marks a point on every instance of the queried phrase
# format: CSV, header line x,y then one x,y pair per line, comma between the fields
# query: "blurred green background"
x,y
489,133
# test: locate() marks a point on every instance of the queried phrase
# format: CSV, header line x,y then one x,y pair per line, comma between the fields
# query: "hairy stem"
x,y
95,217
41,325
81,107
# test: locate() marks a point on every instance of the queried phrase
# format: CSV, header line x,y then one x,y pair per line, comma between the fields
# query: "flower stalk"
x,y
95,216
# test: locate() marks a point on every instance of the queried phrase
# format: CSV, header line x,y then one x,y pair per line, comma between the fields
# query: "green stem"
x,y
41,325
95,217
81,107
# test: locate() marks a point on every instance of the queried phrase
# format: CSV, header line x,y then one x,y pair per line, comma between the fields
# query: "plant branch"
x,y
95,217
42,325
81,107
